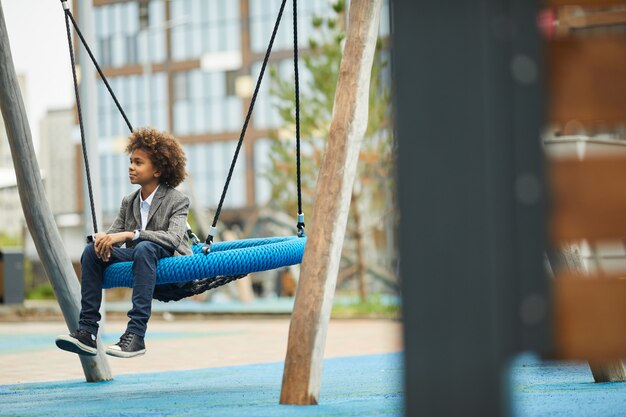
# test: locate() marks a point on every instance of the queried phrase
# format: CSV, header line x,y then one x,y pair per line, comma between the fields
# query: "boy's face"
x,y
141,170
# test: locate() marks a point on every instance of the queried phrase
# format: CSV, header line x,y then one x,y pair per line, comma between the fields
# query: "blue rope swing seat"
x,y
226,259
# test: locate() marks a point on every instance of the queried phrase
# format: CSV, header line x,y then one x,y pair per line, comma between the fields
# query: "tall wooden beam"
x,y
320,265
38,215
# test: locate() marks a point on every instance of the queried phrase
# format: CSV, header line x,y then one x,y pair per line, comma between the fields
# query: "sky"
x,y
40,52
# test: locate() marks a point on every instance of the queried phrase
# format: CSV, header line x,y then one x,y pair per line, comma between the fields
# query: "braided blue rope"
x,y
233,257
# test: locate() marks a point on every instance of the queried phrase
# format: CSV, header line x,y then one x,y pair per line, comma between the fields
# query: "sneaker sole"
x,y
121,354
70,344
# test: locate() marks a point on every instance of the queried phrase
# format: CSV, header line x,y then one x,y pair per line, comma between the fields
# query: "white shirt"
x,y
144,208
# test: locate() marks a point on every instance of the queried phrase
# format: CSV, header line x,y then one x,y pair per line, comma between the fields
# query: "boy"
x,y
152,223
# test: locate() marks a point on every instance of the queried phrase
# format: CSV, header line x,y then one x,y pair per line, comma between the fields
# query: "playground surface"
x,y
28,352
207,366
233,367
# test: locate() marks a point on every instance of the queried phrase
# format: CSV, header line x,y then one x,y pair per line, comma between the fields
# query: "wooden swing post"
x,y
320,265
39,218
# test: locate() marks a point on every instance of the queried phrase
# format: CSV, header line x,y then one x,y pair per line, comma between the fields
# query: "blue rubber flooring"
x,y
562,389
40,342
352,386
356,386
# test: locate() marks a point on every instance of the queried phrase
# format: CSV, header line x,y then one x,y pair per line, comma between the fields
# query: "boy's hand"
x,y
104,243
97,243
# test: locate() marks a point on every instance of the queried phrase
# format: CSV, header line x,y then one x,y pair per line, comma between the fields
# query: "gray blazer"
x,y
167,220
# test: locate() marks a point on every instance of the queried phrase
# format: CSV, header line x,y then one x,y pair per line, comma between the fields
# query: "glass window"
x,y
217,80
213,11
106,189
101,15
204,95
159,103
131,49
177,9
159,86
195,9
115,18
217,115
263,15
263,108
178,42
262,164
233,118
181,124
231,10
236,196
217,169
157,13
214,39
195,41
140,99
194,86
203,163
131,18
213,26
200,119
118,49
158,44
209,165
256,42
233,40
102,110
180,86
122,90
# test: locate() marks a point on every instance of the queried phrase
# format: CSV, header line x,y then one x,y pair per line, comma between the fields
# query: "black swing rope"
x,y
207,244
80,117
300,224
69,17
209,240
95,63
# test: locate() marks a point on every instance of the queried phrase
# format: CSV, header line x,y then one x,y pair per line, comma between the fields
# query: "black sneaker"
x,y
130,345
80,341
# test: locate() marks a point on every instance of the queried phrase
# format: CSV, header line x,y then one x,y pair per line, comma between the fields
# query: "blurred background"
x,y
189,67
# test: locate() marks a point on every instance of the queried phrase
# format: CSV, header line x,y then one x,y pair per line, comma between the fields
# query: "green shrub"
x,y
41,292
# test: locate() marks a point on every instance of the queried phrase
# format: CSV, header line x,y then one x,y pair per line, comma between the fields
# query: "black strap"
x,y
106,82
209,238
68,18
80,119
300,225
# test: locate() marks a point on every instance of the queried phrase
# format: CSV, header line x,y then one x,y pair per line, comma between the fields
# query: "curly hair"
x,y
166,153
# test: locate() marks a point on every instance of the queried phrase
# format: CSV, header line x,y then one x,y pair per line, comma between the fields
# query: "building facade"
x,y
186,66
58,160
13,221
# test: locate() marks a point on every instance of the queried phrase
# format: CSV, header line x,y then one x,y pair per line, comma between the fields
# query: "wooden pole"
x,y
36,209
568,259
314,296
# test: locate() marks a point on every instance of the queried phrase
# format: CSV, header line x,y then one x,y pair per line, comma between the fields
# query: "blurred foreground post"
x,y
469,112
320,265
39,218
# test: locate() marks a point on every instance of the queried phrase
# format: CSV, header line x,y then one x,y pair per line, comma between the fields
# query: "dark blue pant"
x,y
145,256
